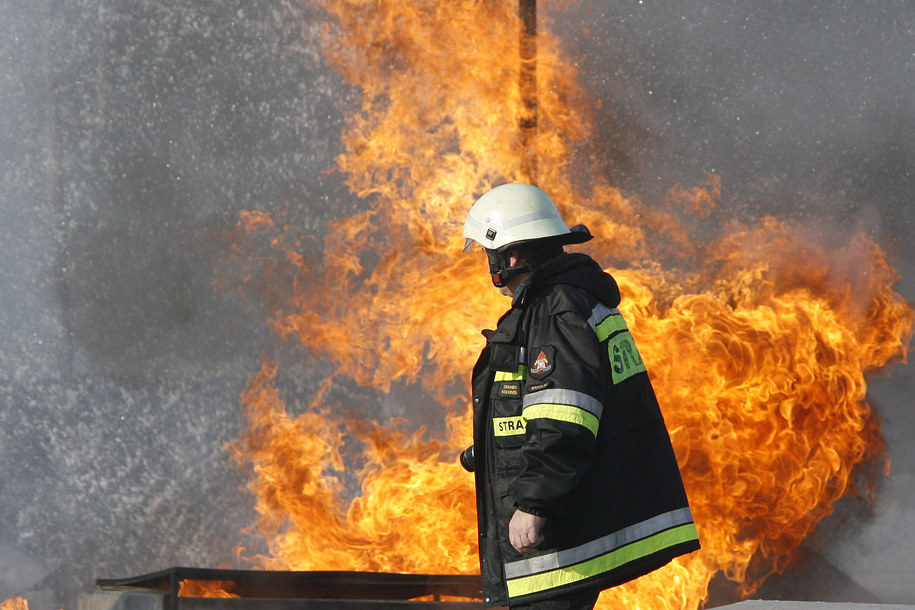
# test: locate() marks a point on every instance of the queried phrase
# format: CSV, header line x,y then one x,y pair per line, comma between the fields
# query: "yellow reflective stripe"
x,y
566,413
507,376
595,548
508,426
607,562
610,324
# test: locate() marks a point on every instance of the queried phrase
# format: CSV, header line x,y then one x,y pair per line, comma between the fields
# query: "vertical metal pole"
x,y
527,10
170,600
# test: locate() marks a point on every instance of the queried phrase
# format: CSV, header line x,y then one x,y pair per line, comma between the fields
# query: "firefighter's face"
x,y
514,259
494,264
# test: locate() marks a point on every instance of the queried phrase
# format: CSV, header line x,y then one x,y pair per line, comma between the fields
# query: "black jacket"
x,y
567,426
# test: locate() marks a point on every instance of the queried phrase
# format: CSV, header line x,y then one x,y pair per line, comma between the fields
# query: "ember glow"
x,y
758,339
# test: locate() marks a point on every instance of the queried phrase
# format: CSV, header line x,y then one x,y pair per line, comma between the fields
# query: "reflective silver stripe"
x,y
510,224
599,313
595,548
572,398
473,222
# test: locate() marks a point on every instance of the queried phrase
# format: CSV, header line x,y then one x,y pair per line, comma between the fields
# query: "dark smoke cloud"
x,y
134,132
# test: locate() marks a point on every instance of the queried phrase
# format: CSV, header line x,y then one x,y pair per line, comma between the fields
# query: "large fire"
x,y
758,339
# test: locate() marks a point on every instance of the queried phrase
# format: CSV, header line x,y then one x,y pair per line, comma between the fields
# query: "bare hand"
x,y
525,531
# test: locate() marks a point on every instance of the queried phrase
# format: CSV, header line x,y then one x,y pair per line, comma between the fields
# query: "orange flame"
x,y
758,339
15,603
206,588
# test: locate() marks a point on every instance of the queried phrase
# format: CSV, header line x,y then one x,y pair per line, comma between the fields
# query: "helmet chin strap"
x,y
500,270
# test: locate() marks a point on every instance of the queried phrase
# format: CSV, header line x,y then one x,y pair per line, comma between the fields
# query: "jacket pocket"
x,y
508,426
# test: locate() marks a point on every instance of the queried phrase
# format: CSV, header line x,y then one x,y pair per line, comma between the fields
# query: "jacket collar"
x,y
574,269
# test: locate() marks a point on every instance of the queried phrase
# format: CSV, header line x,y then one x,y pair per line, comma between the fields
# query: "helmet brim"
x,y
578,234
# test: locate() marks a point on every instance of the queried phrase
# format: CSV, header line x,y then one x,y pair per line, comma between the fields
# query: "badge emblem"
x,y
542,364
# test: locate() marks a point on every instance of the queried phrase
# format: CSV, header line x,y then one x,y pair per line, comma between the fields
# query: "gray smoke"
x,y
134,132
133,135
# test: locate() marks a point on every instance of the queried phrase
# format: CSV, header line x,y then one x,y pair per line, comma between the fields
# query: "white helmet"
x,y
514,213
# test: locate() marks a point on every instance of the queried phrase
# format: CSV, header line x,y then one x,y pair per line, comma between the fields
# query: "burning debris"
x,y
182,587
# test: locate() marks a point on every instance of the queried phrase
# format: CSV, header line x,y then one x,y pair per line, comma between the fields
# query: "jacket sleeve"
x,y
562,406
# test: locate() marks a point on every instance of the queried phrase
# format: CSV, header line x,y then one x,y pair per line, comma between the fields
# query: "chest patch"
x,y
510,389
539,386
508,426
544,359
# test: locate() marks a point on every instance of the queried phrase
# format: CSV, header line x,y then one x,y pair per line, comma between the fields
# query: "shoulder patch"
x,y
543,362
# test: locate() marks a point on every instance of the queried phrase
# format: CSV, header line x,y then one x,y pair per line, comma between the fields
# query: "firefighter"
x,y
577,485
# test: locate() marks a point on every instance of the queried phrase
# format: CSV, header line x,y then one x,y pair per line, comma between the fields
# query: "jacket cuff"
x,y
538,510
